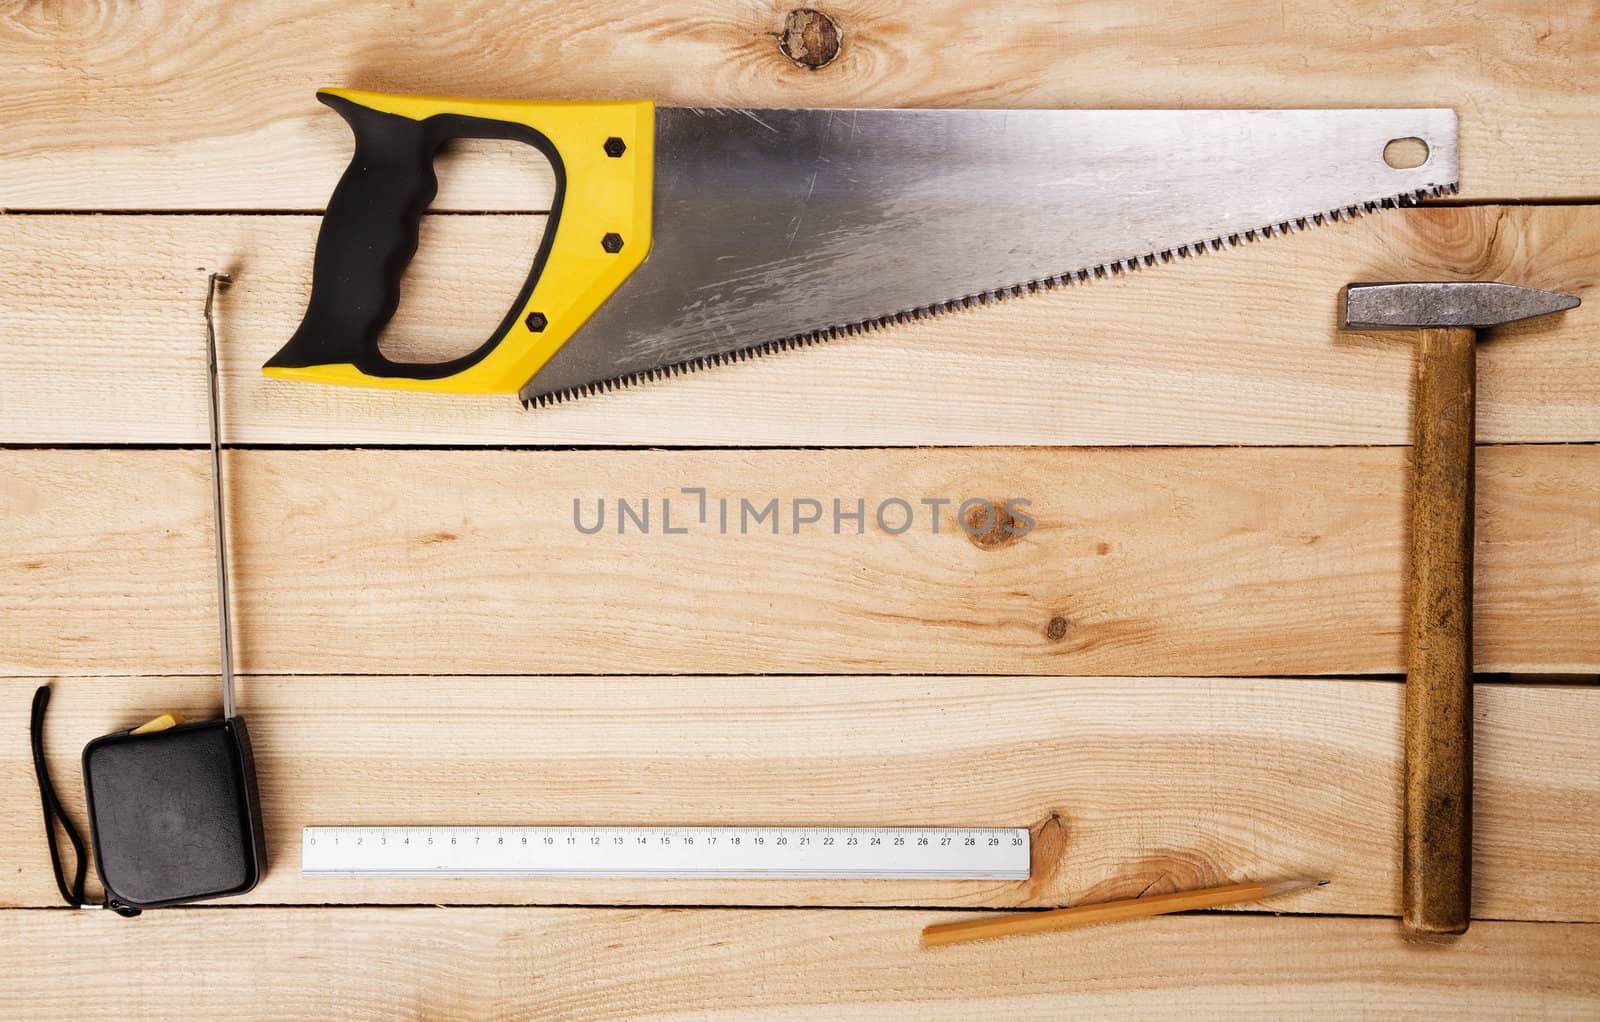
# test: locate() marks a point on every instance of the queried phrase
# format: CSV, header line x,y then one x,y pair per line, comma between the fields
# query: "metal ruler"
x,y
867,853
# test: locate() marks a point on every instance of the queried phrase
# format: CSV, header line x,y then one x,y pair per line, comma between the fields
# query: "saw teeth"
x,y
1101,271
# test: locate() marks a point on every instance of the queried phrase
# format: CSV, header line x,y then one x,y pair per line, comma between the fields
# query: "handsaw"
x,y
686,237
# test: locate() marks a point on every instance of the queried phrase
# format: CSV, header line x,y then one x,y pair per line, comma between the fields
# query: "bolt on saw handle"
x,y
598,233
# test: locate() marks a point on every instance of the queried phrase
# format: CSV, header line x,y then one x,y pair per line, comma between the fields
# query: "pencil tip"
x,y
1322,883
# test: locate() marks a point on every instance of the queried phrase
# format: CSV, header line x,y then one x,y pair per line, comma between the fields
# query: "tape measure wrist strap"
x,y
53,812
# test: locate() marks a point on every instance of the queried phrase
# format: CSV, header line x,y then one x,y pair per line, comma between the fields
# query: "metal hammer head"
x,y
1470,304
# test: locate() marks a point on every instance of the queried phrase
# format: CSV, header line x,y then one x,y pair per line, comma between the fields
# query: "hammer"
x,y
1437,870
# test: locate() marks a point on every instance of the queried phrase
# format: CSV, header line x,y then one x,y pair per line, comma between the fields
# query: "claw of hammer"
x,y
1437,870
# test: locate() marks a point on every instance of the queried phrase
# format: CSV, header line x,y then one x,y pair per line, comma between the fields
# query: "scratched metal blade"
x,y
781,227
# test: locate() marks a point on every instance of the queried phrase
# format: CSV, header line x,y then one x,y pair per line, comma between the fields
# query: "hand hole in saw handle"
x,y
597,233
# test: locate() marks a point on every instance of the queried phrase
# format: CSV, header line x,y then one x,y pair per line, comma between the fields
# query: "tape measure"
x,y
865,853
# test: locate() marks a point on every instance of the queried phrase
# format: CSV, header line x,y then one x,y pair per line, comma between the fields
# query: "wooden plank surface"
x,y
1129,785
426,634
148,106
593,963
104,344
1141,561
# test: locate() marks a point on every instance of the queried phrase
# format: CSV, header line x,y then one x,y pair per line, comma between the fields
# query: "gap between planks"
x,y
1576,202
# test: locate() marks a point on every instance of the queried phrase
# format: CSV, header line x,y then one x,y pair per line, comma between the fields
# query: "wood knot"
x,y
1056,630
988,523
810,38
1049,853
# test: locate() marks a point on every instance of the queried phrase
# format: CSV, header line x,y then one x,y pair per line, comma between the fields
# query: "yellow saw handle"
x,y
598,233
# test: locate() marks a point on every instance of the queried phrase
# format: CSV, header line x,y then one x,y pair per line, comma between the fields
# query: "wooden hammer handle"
x,y
1438,698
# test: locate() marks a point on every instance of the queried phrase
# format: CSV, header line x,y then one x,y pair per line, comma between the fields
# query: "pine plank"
x,y
211,107
1130,785
102,317
1143,561
718,964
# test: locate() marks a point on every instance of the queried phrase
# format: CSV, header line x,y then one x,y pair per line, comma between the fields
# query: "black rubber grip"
x,y
369,234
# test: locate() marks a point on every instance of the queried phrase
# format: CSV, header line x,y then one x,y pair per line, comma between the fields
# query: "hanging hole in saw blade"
x,y
470,265
1406,153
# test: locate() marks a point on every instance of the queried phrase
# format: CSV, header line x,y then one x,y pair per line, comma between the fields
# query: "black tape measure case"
x,y
173,815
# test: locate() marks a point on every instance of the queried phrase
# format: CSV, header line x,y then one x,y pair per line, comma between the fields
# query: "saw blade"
x,y
775,229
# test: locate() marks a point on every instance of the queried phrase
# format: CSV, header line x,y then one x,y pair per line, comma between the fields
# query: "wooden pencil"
x,y
985,927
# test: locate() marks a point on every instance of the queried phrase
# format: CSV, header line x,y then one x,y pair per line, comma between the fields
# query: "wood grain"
x,y
388,583
1142,561
133,106
105,344
1438,706
1131,786
594,963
